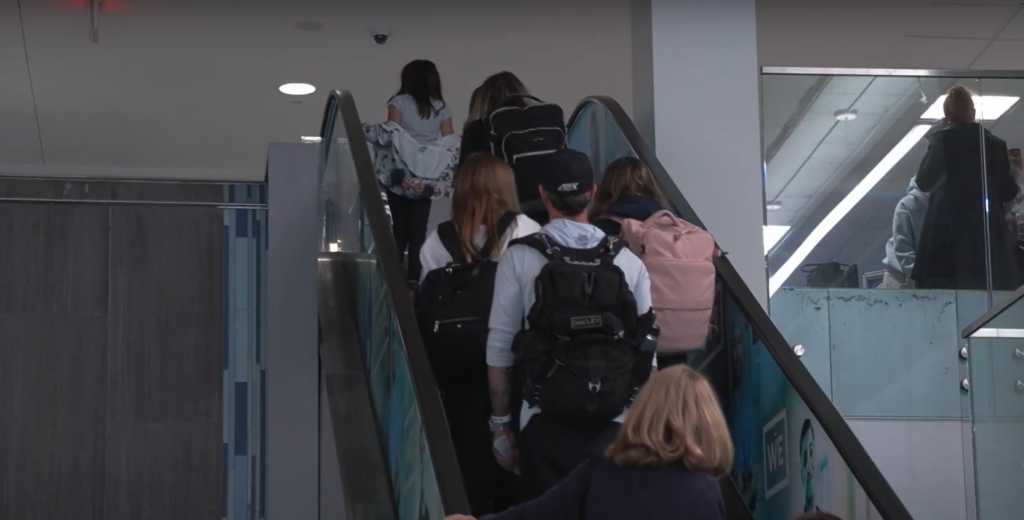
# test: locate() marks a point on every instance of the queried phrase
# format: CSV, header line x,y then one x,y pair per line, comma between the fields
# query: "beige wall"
x,y
562,50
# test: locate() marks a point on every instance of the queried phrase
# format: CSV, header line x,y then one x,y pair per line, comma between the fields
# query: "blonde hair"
x,y
676,418
485,189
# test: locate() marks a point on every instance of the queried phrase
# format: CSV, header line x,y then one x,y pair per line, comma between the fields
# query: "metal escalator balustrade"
x,y
414,442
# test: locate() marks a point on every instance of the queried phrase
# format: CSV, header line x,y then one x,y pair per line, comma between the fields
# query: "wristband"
x,y
499,423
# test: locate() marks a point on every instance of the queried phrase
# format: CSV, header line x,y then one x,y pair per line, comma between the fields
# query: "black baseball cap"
x,y
568,173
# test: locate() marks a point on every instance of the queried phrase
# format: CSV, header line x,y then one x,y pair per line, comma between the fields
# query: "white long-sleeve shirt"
x,y
514,289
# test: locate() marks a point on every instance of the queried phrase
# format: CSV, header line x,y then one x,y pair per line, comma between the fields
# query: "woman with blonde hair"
x,y
627,190
664,464
460,261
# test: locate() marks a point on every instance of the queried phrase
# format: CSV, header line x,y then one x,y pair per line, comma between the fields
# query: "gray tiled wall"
x,y
111,359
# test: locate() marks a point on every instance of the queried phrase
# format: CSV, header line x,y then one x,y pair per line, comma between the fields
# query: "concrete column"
x,y
293,358
696,95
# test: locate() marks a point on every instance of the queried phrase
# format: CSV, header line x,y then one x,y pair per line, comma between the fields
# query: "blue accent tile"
x,y
224,505
227,298
241,486
252,484
242,223
241,418
263,443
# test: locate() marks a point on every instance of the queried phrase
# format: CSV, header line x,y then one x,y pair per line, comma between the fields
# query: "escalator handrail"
x,y
877,488
435,426
993,313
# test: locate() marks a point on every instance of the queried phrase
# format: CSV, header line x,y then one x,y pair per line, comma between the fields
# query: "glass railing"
x,y
795,453
995,357
893,220
420,457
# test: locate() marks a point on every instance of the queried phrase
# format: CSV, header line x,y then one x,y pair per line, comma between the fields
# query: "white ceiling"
x,y
187,88
922,34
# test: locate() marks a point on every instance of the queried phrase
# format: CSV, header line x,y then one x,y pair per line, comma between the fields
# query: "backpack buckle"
x,y
594,386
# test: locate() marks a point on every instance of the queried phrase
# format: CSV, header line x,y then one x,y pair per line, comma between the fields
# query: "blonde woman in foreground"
x,y
664,464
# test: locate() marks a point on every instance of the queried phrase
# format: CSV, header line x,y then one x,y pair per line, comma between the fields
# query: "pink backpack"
x,y
679,258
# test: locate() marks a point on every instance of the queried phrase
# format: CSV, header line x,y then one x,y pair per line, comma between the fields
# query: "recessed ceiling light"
x,y
989,108
772,235
774,205
297,89
846,114
856,194
310,138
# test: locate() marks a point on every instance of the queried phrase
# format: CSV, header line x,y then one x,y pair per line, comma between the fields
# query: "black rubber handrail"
x,y
435,426
849,447
992,313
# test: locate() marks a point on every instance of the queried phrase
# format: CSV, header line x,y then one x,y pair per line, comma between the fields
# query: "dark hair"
x,y
422,82
570,205
500,86
625,176
805,429
818,515
959,105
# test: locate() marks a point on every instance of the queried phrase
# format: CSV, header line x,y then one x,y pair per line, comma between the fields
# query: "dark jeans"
x,y
549,450
467,405
409,224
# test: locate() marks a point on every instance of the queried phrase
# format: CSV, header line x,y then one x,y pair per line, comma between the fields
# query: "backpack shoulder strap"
x,y
541,243
450,240
504,223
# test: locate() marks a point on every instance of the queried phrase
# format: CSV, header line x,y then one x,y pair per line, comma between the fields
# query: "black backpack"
x,y
523,136
455,304
580,358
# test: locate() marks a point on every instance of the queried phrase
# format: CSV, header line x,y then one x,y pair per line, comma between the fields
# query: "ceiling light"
x,y
772,235
856,194
773,205
310,138
846,114
989,108
297,89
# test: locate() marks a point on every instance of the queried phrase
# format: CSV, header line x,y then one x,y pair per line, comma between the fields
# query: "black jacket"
x,y
474,140
951,252
604,491
629,206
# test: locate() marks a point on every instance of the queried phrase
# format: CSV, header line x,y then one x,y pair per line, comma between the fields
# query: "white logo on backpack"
x,y
680,260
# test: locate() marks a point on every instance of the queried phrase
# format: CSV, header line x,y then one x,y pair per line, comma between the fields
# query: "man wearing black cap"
x,y
586,281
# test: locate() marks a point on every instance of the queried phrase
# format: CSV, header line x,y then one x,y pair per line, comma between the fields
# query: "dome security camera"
x,y
381,34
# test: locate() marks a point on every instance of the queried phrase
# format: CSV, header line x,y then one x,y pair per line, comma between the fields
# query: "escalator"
x,y
794,452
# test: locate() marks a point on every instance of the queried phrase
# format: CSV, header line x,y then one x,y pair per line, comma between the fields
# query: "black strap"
x,y
606,250
450,240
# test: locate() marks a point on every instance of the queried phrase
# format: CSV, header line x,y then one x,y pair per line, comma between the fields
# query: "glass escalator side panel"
x,y
350,225
786,461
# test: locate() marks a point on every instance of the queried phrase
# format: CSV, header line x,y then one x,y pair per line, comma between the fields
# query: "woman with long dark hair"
x,y
501,89
420,110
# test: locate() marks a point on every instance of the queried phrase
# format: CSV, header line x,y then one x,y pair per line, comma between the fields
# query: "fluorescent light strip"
x,y
998,333
989,108
856,194
772,235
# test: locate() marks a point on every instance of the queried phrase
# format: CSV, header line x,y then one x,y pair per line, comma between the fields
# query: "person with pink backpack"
x,y
679,255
